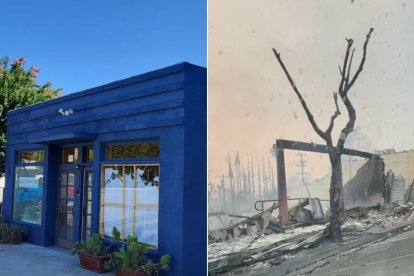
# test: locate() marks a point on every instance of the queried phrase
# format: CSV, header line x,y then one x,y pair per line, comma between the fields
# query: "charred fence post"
x,y
281,183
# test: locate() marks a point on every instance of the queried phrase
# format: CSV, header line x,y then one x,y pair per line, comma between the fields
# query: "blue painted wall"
x,y
168,105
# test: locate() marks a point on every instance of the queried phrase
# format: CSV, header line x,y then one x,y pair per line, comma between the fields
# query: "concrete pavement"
x,y
394,256
27,259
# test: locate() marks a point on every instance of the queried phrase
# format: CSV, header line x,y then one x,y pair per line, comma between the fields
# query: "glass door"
x,y
65,210
87,204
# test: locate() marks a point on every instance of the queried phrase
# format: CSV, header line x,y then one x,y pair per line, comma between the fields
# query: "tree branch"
x,y
349,68
302,101
344,93
350,125
328,131
343,71
361,65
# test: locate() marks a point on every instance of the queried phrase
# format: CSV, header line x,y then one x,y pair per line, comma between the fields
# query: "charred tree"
x,y
335,151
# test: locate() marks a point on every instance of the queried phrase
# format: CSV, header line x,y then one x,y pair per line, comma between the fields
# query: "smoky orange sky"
x,y
251,103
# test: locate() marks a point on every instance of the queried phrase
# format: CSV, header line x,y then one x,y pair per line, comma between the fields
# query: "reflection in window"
x,y
69,155
129,201
88,155
126,151
28,190
37,156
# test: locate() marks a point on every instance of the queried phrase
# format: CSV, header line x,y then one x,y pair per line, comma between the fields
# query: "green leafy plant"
x,y
94,245
16,233
133,257
4,232
18,230
10,233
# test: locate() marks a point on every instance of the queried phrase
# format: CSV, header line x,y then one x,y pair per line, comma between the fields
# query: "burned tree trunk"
x,y
336,187
336,196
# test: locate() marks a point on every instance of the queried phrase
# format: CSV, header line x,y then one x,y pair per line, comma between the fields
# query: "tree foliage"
x,y
19,88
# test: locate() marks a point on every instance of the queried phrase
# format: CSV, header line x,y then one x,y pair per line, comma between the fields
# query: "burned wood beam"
x,y
302,146
281,185
239,216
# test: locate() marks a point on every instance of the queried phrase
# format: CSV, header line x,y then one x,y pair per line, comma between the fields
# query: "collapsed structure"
x,y
371,198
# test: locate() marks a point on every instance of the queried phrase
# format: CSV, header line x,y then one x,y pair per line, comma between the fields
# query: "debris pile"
x,y
262,238
379,219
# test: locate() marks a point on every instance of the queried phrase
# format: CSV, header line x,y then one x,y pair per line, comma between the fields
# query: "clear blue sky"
x,y
79,44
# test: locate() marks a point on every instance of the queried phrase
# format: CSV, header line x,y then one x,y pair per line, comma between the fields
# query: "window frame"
x,y
101,193
136,161
133,159
17,157
17,164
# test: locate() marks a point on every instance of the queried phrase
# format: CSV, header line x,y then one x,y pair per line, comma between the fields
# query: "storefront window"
x,y
129,201
88,155
28,190
36,156
69,155
126,151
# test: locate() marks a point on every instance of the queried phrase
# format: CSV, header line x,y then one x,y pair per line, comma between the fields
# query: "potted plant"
x,y
4,232
16,234
131,260
93,253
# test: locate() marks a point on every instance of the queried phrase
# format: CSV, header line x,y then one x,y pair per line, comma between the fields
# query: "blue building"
x,y
130,154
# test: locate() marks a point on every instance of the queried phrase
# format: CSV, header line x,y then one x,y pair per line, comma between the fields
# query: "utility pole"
x,y
238,182
232,188
223,191
260,186
301,164
254,188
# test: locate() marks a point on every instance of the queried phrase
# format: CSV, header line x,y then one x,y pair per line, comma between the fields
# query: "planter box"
x,y
94,263
129,272
15,239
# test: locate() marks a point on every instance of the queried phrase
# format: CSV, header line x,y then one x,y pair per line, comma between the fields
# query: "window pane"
x,y
126,151
89,155
69,233
28,190
61,232
32,156
69,155
129,201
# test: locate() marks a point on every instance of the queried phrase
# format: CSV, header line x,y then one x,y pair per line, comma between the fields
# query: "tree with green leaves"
x,y
19,88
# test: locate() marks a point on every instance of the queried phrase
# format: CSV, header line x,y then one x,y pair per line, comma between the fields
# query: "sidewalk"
x,y
28,259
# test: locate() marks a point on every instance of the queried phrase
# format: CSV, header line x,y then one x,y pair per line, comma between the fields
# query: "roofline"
x,y
115,84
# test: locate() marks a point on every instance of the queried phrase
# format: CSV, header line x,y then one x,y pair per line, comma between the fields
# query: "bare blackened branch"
x,y
361,65
351,122
344,92
302,101
328,131
349,68
340,71
343,71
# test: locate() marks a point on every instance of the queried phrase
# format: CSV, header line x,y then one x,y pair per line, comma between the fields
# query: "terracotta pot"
x,y
15,238
129,272
94,263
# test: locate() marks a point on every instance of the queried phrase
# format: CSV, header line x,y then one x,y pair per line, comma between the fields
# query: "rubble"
x,y
250,249
241,253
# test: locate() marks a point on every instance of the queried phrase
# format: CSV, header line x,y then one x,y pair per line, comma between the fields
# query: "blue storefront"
x,y
130,154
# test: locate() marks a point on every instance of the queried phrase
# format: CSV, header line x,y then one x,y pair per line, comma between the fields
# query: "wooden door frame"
x,y
63,242
84,195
